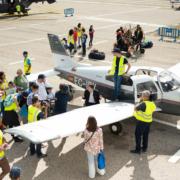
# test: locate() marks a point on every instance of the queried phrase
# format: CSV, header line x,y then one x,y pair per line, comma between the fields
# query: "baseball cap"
x,y
15,172
116,50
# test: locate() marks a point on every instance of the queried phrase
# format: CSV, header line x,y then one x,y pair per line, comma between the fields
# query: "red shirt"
x,y
75,35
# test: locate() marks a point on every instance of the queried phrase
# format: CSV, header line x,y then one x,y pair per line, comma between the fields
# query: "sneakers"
x,y
135,151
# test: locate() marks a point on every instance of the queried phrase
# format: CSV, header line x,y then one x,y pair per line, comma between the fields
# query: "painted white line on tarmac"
x,y
26,42
100,42
175,157
8,28
21,42
109,3
121,21
127,12
167,123
19,62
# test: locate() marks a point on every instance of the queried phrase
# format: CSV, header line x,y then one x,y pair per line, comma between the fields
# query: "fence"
x,y
169,32
69,12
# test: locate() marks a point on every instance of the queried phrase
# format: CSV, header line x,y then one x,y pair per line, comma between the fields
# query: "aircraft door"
x,y
170,87
147,83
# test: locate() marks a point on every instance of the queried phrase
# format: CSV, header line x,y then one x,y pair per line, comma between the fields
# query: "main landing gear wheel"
x,y
116,128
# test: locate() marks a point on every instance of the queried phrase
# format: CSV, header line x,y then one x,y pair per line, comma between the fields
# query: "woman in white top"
x,y
93,139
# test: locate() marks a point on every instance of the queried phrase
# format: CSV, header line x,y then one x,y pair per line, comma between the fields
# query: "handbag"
x,y
89,138
101,160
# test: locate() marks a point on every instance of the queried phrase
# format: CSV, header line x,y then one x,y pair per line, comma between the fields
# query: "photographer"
x,y
35,114
62,97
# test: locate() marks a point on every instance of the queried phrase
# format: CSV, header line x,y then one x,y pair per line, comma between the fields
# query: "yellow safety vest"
x,y
26,66
13,106
33,113
4,86
70,39
147,115
2,154
18,8
121,68
79,32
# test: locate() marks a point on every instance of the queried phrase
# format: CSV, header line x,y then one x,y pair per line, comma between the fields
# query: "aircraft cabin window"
x,y
149,85
168,82
1,1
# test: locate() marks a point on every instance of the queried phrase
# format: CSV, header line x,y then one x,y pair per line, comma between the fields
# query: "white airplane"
x,y
164,84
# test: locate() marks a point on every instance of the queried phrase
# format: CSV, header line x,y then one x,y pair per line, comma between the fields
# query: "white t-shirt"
x,y
42,93
91,98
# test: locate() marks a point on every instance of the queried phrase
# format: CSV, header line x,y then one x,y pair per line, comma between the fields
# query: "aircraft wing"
x,y
48,73
72,122
175,70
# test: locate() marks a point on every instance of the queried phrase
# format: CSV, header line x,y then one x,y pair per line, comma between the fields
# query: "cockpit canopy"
x,y
168,81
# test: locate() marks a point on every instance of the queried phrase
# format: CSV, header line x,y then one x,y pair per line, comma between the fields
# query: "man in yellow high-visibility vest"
x,y
143,113
18,9
4,164
118,69
35,114
27,63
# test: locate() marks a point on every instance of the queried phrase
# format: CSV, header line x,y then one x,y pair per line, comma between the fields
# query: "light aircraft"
x,y
164,84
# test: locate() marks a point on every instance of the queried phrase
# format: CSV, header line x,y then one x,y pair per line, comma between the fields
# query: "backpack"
x,y
8,100
147,44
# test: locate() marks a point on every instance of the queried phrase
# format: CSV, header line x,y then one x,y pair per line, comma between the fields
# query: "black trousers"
x,y
141,134
35,148
83,49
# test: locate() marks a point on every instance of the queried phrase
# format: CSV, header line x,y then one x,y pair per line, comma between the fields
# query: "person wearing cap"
x,y
143,114
4,164
15,173
27,64
41,82
118,69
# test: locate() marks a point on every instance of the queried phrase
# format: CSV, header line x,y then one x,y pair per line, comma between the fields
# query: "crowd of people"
x,y
24,102
129,40
77,39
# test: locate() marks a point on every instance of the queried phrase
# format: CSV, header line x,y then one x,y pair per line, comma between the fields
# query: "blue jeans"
x,y
117,86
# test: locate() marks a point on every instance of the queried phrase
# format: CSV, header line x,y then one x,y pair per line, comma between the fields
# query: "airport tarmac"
x,y
66,159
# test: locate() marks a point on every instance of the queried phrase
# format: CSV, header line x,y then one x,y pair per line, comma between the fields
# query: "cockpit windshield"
x,y
168,81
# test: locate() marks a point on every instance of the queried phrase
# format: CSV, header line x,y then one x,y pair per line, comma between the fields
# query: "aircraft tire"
x,y
116,128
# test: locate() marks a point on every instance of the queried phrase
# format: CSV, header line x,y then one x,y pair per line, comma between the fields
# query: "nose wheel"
x,y
116,128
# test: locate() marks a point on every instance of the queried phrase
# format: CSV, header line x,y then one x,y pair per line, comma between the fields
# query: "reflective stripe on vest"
x,y
121,69
1,143
26,66
12,107
147,115
32,113
71,39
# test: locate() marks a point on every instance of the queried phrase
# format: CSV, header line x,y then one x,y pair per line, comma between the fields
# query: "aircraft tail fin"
x,y
61,57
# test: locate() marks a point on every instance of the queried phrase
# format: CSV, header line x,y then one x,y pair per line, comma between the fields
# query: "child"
x,y
84,40
11,88
91,35
50,94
